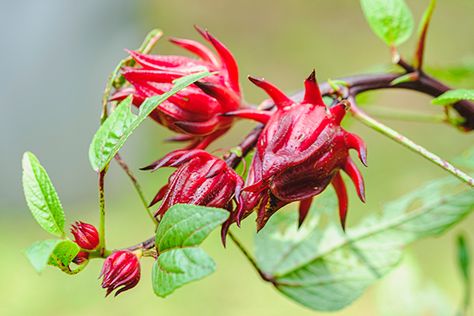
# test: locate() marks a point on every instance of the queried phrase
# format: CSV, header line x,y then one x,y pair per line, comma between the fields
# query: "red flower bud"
x,y
194,111
300,152
200,179
85,235
121,270
81,257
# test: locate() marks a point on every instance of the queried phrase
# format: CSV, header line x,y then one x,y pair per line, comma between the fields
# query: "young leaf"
x,y
63,255
122,122
327,270
41,197
391,20
56,252
453,96
422,32
180,261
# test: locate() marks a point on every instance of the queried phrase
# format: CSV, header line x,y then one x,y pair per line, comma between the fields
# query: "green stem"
x,y
385,113
102,248
399,138
249,257
147,45
137,186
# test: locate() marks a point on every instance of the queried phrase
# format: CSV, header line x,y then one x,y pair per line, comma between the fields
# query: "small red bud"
x,y
81,257
85,235
121,270
196,110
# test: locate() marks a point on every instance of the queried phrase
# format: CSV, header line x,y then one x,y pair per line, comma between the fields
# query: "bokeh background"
x,y
55,57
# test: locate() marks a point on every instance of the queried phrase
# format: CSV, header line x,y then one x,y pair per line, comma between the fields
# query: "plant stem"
x,y
399,138
249,257
102,213
137,186
147,45
386,113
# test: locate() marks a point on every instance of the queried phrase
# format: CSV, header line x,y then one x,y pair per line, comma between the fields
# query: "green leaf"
x,y
178,267
404,78
41,197
182,229
185,225
56,252
391,20
63,255
326,270
453,96
112,135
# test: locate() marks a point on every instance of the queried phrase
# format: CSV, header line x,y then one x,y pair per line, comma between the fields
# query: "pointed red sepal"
x,y
228,60
226,97
217,167
165,161
351,169
159,196
280,99
174,159
338,112
303,210
180,138
341,192
196,48
199,128
312,94
224,230
256,115
140,75
355,142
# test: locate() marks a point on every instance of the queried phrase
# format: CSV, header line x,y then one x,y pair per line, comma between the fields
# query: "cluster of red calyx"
x,y
86,237
200,179
121,270
194,112
300,151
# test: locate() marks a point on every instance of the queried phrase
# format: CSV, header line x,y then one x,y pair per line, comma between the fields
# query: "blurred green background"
x,y
56,56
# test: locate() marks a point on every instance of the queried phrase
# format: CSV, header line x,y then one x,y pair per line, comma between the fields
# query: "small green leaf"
x,y
185,225
453,96
116,129
63,255
326,270
178,267
182,229
404,78
422,32
391,20
41,197
56,252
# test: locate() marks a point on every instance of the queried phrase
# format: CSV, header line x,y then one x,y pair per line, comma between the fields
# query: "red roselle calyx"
x,y
299,153
85,235
194,111
200,179
121,270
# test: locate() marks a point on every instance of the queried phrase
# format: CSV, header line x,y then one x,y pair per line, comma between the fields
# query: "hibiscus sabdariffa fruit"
x,y
200,179
301,150
194,112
